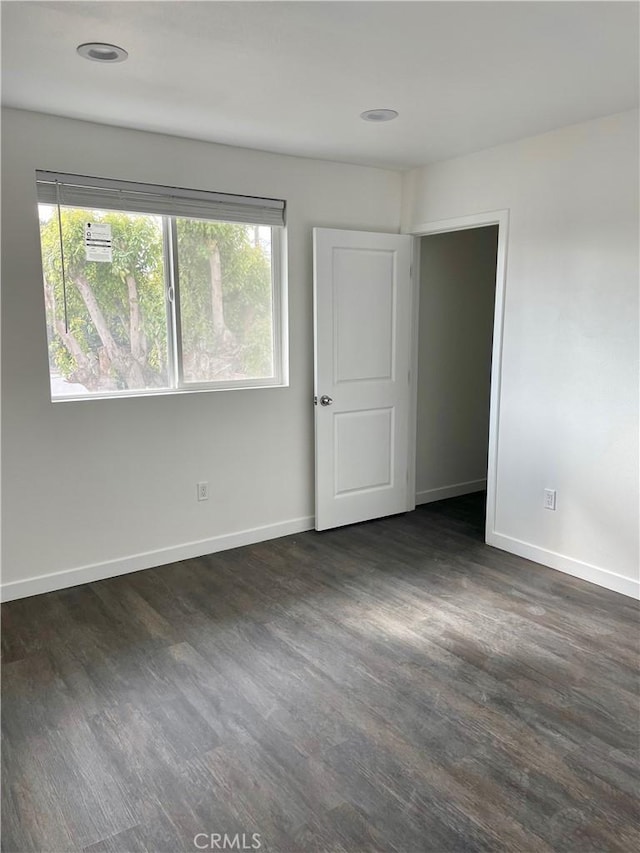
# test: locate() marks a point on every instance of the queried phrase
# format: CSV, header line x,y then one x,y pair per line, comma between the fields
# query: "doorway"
x,y
354,315
458,333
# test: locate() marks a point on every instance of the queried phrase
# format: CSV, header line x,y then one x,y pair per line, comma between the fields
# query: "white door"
x,y
362,301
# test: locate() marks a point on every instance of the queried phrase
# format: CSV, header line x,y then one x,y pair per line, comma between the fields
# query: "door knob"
x,y
326,400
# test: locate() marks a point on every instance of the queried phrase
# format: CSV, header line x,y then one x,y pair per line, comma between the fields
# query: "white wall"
x,y
569,395
457,289
86,483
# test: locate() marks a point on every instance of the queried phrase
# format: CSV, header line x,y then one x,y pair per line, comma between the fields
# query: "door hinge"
x,y
315,401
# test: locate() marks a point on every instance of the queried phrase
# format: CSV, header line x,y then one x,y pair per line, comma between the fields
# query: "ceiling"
x,y
293,77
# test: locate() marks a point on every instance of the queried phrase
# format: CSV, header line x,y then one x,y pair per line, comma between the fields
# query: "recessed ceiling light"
x,y
100,52
379,115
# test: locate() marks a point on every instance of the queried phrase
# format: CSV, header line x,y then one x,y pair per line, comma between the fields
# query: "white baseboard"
x,y
454,491
568,565
149,559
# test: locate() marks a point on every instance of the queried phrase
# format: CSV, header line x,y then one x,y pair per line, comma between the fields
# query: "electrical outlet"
x,y
203,491
550,499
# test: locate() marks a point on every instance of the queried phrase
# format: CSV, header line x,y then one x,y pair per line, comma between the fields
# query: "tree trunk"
x,y
124,364
97,318
136,334
86,372
217,302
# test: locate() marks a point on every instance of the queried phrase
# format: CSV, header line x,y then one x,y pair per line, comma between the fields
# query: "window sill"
x,y
168,392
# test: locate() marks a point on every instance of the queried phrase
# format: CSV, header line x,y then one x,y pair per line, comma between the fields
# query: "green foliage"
x,y
246,295
137,252
245,348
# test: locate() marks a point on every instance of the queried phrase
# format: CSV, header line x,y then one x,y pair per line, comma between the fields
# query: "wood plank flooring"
x,y
391,686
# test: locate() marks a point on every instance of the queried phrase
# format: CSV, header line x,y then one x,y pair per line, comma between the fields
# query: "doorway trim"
x,y
441,226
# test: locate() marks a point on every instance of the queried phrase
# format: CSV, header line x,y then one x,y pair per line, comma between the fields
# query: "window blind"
x,y
107,194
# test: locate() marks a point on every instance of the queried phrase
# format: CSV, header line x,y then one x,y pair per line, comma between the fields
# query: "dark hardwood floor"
x,y
391,686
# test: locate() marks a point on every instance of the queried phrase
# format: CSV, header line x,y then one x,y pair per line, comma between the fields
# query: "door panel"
x,y
362,299
363,350
363,444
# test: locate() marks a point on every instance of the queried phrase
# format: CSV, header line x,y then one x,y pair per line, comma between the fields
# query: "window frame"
x,y
176,383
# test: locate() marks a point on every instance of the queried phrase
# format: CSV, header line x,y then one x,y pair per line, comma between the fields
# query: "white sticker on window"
x,y
97,242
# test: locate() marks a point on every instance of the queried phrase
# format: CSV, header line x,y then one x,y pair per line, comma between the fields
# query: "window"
x,y
154,289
